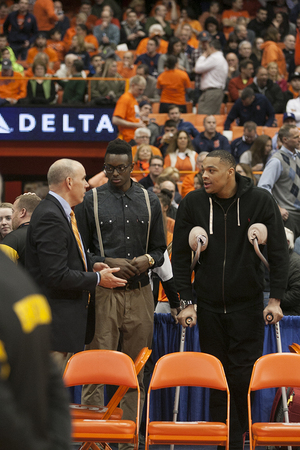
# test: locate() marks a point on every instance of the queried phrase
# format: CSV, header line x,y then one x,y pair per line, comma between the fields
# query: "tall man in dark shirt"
x,y
124,220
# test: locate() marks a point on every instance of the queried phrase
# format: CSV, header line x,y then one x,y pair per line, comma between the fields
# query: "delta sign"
x,y
56,124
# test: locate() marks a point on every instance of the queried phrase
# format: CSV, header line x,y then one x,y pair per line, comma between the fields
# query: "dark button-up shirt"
x,y
123,219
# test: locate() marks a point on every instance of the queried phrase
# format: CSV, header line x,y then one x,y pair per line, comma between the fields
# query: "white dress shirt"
x,y
214,70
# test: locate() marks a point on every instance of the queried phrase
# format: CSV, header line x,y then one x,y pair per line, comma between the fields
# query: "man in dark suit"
x,y
59,263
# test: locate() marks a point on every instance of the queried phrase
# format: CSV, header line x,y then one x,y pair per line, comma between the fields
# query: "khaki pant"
x,y
125,315
210,101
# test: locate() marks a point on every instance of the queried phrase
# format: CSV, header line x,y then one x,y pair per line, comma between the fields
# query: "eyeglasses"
x,y
143,137
119,169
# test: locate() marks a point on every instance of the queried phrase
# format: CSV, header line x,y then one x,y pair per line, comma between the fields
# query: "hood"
x,y
268,44
243,184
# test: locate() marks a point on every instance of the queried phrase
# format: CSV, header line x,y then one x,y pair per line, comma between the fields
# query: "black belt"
x,y
135,285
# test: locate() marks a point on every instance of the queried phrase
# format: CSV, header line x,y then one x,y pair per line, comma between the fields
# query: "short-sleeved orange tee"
x,y
126,72
173,84
181,164
155,151
58,47
127,108
230,14
142,47
32,52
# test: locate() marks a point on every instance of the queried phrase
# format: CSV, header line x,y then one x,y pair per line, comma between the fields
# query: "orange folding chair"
x,y
187,369
95,424
110,411
269,371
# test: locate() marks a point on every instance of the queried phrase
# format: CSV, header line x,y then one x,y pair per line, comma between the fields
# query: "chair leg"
x,y
85,446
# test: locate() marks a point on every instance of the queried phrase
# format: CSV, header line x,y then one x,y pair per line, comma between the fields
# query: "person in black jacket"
x,y
229,278
263,85
21,29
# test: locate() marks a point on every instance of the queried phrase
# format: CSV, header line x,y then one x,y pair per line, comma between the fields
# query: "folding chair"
x,y
103,367
187,369
110,411
269,371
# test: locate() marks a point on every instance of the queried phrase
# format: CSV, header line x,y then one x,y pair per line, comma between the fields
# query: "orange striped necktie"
x,y
77,236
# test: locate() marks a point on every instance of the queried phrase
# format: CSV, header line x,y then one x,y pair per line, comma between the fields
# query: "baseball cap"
x,y
287,115
204,36
6,64
143,103
295,75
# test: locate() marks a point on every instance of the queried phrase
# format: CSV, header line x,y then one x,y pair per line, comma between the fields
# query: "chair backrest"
x,y
276,370
188,369
100,367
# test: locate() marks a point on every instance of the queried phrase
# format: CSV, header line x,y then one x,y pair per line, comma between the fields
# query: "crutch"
x,y
258,234
198,240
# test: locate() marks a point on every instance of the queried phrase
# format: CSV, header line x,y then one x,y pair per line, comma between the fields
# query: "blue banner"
x,y
56,124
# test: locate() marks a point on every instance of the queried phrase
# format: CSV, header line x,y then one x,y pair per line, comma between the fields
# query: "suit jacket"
x,y
54,261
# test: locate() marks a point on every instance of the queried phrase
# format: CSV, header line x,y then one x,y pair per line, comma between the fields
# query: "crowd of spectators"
x,y
176,56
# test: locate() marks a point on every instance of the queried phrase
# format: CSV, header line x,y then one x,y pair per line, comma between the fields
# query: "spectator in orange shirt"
x,y
11,90
45,15
173,84
90,42
142,159
188,183
143,136
40,58
237,85
180,153
186,18
156,31
126,68
229,16
56,44
41,47
3,15
126,115
86,8
272,53
81,18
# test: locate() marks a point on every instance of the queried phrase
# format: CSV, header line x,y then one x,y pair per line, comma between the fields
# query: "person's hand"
x,y
108,280
188,312
273,310
105,39
141,33
284,213
26,44
98,266
258,166
131,36
141,263
174,314
126,269
139,124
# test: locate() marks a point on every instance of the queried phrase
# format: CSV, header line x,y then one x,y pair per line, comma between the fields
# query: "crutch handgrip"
x,y
198,235
258,231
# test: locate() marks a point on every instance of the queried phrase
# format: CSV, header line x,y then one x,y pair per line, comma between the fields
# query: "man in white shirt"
x,y
214,69
293,105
